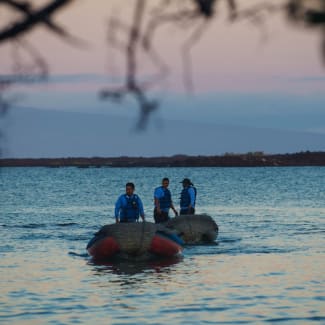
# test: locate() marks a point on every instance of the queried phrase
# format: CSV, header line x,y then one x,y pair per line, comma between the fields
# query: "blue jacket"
x,y
129,208
188,196
165,198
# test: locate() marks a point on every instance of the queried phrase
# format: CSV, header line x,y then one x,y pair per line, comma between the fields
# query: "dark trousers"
x,y
125,220
187,211
160,217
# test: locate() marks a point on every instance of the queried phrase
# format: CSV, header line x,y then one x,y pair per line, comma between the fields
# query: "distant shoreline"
x,y
250,159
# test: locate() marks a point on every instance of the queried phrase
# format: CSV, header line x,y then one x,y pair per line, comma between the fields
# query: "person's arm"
x,y
157,196
157,205
118,206
191,192
141,211
173,208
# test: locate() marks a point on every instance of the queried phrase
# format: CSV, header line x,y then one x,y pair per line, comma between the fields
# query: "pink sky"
x,y
228,57
246,77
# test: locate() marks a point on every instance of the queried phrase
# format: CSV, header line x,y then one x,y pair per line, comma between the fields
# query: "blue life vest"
x,y
165,201
130,212
185,197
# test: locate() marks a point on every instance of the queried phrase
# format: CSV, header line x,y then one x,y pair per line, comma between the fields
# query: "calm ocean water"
x,y
267,265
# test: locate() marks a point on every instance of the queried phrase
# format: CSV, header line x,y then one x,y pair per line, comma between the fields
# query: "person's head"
x,y
165,182
186,182
129,188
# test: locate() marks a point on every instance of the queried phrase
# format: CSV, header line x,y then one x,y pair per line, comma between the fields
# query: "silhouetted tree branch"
x,y
132,85
136,37
13,32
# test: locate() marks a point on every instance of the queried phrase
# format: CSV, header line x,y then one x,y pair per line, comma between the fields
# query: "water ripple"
x,y
265,267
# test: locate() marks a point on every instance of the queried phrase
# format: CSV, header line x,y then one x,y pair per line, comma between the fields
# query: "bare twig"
x,y
33,18
186,49
132,86
138,36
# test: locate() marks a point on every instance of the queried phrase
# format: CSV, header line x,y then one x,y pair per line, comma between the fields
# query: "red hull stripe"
x,y
161,245
104,248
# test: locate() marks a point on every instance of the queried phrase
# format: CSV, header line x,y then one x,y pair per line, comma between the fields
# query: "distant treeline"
x,y
250,159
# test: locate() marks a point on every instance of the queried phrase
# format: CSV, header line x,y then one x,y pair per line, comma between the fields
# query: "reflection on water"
x,y
125,267
267,265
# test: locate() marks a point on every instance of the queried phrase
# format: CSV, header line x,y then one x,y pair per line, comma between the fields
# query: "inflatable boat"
x,y
140,240
194,229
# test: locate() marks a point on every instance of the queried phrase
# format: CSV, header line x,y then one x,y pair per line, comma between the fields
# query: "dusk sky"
x,y
256,88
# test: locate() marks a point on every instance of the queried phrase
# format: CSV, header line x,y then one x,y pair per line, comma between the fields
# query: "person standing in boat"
x,y
188,197
163,202
128,206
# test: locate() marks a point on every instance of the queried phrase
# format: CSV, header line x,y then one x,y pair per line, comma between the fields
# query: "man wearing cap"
x,y
188,197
